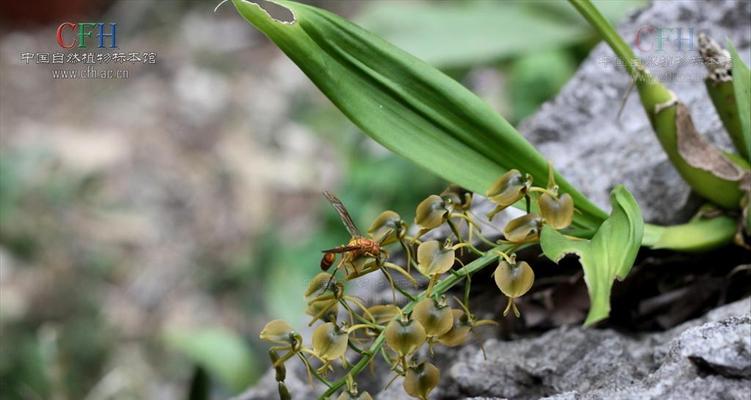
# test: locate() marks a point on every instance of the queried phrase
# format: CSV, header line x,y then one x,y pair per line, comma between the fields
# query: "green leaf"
x,y
407,105
610,253
699,235
742,88
220,352
453,34
460,34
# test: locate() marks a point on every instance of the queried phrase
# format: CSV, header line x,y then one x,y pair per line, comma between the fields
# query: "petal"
x,y
277,331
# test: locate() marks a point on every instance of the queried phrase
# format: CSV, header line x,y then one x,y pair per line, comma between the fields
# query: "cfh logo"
x,y
650,38
70,34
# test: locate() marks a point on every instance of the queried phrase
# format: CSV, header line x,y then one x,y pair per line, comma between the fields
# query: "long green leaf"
x,y
608,256
742,88
407,105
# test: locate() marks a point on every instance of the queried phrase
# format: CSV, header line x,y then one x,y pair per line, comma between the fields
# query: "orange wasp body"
x,y
357,248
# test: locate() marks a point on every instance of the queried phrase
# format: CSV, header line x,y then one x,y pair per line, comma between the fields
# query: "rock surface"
x,y
709,360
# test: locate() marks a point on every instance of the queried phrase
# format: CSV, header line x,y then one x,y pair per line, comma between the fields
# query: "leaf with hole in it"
x,y
407,105
219,352
610,253
742,89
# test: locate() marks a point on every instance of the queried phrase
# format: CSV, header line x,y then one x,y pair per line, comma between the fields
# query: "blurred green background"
x,y
153,224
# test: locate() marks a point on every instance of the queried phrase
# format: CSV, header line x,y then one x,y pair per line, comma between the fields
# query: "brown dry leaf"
x,y
699,153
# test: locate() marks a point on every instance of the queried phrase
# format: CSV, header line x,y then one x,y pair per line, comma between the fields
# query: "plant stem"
x,y
614,40
439,288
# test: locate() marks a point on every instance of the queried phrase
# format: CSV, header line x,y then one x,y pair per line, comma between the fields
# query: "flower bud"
x,y
435,318
283,392
387,228
404,336
420,380
558,212
329,342
523,229
431,212
279,369
434,259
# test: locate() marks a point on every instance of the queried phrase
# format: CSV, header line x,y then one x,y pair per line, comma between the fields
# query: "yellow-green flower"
x,y
507,190
329,341
277,331
404,336
387,228
558,212
514,280
421,379
523,229
431,213
434,259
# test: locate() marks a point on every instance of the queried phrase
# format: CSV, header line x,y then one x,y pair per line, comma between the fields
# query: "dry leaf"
x,y
699,153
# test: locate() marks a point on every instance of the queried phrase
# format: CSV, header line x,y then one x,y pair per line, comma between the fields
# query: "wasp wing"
x,y
341,249
343,214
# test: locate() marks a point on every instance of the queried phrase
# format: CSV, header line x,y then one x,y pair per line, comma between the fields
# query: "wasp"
x,y
361,255
358,246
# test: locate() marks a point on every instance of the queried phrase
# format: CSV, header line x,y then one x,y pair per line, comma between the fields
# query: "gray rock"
x,y
711,360
722,347
580,132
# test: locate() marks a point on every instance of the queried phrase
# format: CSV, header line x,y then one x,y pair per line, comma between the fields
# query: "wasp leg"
x,y
333,274
391,283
